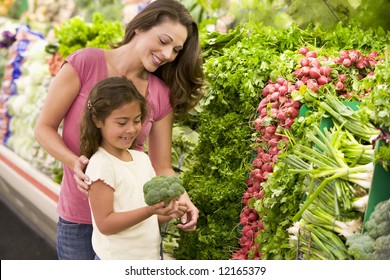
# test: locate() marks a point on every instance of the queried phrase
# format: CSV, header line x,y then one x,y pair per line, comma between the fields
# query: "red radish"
x,y
253,217
311,54
347,62
342,78
314,72
281,81
281,115
274,113
257,163
298,73
266,157
354,55
325,70
304,61
322,80
314,62
312,85
292,112
274,151
373,55
274,96
298,84
339,85
291,88
265,91
344,54
270,129
256,186
338,60
303,50
273,142
372,62
274,104
267,167
289,122
296,104
282,90
263,112
304,79
305,70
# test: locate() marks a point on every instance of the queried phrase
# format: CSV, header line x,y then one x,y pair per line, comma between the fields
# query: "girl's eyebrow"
x,y
127,118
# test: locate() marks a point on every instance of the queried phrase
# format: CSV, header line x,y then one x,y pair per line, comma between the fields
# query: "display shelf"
x,y
32,195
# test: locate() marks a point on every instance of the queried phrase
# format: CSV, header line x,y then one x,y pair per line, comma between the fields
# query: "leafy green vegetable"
x,y
75,33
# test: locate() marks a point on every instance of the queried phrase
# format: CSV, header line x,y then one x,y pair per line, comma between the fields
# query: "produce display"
x,y
280,154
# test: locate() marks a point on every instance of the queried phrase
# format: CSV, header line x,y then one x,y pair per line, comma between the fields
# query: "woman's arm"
x,y
101,197
160,142
63,90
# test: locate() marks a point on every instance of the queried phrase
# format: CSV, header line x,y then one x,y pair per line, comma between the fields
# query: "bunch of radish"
x,y
364,64
314,73
276,111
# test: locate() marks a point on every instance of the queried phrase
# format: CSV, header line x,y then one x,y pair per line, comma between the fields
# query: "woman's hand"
x,y
82,180
190,218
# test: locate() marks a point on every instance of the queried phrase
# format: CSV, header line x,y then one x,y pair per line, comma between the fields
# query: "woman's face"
x,y
161,44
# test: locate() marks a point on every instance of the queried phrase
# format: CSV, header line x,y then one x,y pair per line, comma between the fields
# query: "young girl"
x,y
124,227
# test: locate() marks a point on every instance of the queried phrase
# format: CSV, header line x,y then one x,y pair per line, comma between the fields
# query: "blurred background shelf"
x,y
30,194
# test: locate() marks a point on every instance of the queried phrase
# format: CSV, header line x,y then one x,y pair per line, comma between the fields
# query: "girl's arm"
x,y
101,198
159,151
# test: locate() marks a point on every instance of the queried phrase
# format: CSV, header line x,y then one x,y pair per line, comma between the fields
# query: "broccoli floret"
x,y
374,243
360,246
379,222
162,188
382,248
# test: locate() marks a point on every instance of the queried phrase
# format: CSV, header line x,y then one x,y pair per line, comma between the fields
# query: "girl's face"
x,y
120,129
161,44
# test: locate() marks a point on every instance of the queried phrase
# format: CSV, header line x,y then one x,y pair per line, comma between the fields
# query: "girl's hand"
x,y
82,180
168,210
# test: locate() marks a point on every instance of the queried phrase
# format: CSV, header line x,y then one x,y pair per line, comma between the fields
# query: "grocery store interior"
x,y
286,156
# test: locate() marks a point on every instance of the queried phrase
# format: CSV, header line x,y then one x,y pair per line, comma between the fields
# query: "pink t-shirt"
x,y
91,67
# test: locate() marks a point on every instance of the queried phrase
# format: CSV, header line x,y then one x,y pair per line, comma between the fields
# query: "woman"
x,y
160,54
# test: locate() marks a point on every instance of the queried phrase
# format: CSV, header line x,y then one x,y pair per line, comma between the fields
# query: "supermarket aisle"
x,y
19,242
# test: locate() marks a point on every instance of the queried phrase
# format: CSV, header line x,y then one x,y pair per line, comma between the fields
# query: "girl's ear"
x,y
98,123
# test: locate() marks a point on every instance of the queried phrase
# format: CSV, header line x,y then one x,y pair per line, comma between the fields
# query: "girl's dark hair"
x,y
184,75
106,96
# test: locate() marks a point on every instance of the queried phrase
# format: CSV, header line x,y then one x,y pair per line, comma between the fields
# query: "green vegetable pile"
x,y
162,188
374,243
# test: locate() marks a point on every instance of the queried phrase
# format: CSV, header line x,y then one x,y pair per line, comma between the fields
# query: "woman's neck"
x,y
124,62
